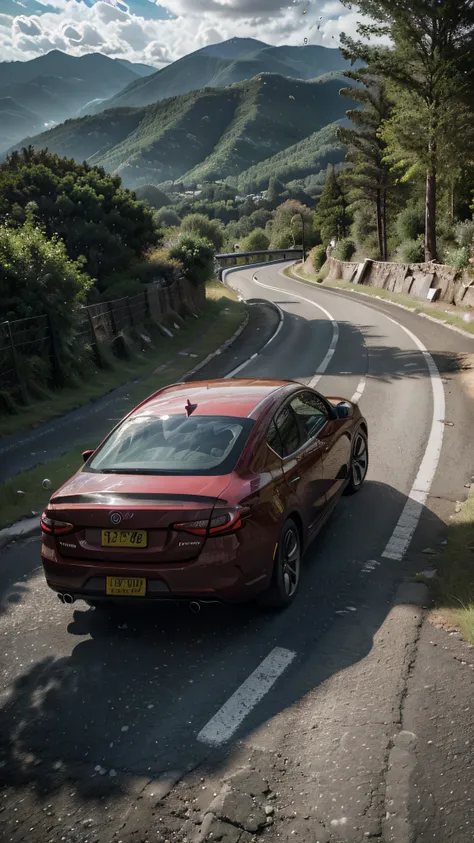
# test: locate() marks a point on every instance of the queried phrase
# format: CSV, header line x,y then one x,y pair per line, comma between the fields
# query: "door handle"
x,y
295,479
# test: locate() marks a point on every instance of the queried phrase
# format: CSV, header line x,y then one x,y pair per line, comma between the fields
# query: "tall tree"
x,y
331,216
368,175
429,62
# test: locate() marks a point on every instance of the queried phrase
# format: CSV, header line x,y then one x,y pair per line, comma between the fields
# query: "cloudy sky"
x,y
157,33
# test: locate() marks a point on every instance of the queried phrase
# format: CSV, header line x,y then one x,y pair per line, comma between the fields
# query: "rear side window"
x,y
285,436
173,445
311,414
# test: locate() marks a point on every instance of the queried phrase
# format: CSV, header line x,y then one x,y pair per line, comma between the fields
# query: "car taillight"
x,y
228,522
55,528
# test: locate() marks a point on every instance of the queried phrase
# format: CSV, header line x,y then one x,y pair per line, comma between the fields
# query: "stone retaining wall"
x,y
455,287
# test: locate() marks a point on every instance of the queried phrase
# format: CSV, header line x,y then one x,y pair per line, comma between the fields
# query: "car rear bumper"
x,y
204,580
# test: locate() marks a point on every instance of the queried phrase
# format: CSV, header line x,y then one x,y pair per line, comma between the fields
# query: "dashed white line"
x,y
359,391
408,521
226,721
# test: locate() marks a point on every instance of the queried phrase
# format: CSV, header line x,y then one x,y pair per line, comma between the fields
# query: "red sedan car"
x,y
207,491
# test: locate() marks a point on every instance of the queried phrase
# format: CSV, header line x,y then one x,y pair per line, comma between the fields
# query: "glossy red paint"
x,y
208,536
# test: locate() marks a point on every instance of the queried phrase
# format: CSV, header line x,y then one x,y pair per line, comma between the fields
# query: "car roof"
x,y
240,398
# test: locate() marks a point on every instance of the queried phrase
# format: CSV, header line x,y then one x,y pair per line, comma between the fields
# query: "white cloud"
x,y
111,27
26,26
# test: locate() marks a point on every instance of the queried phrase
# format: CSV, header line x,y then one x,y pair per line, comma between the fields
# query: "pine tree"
x,y
430,70
368,175
331,216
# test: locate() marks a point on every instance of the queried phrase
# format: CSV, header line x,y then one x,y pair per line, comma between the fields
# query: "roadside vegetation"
x,y
459,317
24,495
77,251
454,585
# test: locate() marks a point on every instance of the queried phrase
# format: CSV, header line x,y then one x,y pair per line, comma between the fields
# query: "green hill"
x,y
305,158
205,135
216,66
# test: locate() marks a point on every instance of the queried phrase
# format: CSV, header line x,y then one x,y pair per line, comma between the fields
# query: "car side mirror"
x,y
87,454
343,410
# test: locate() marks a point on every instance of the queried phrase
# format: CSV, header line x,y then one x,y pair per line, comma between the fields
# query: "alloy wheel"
x,y
291,559
360,460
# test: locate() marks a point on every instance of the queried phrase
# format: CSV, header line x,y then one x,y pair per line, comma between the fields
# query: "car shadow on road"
x,y
133,694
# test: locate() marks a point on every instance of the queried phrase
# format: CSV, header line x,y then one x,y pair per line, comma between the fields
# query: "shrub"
x,y
89,209
196,256
464,234
205,228
410,251
167,218
409,225
457,258
344,250
318,257
255,241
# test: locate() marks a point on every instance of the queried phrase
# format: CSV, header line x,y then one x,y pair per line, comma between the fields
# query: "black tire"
x,y
359,464
286,570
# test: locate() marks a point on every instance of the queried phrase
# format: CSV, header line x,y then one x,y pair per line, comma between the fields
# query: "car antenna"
x,y
190,407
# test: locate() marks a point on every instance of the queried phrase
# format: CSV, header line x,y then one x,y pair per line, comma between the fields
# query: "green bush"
x,y
167,218
344,250
38,278
464,234
89,209
409,224
255,241
205,228
318,257
196,255
457,258
410,251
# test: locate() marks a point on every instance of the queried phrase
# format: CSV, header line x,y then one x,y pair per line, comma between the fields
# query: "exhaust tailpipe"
x,y
69,599
194,607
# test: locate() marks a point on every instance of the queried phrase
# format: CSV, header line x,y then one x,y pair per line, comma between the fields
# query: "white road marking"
x,y
408,521
227,720
236,371
359,391
331,350
335,327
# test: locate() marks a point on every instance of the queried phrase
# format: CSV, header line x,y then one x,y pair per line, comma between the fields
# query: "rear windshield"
x,y
173,444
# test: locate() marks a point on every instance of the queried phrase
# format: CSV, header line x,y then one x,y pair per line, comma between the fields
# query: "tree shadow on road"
x,y
134,693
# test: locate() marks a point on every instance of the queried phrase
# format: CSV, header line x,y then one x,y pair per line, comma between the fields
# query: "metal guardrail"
x,y
250,258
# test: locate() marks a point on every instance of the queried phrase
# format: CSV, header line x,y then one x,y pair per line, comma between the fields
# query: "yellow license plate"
x,y
124,538
126,586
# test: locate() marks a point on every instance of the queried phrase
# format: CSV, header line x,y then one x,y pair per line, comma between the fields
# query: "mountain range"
x,y
51,88
205,135
224,64
238,109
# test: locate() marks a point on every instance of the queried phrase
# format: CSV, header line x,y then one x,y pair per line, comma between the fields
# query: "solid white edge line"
x,y
411,514
226,721
404,531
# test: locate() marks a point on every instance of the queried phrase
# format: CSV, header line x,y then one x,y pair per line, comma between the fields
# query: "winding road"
x,y
95,707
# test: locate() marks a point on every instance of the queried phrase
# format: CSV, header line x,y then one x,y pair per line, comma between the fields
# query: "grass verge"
x,y
220,319
436,311
201,337
454,585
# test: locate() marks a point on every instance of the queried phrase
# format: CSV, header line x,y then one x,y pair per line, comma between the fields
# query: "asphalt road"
x,y
95,707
